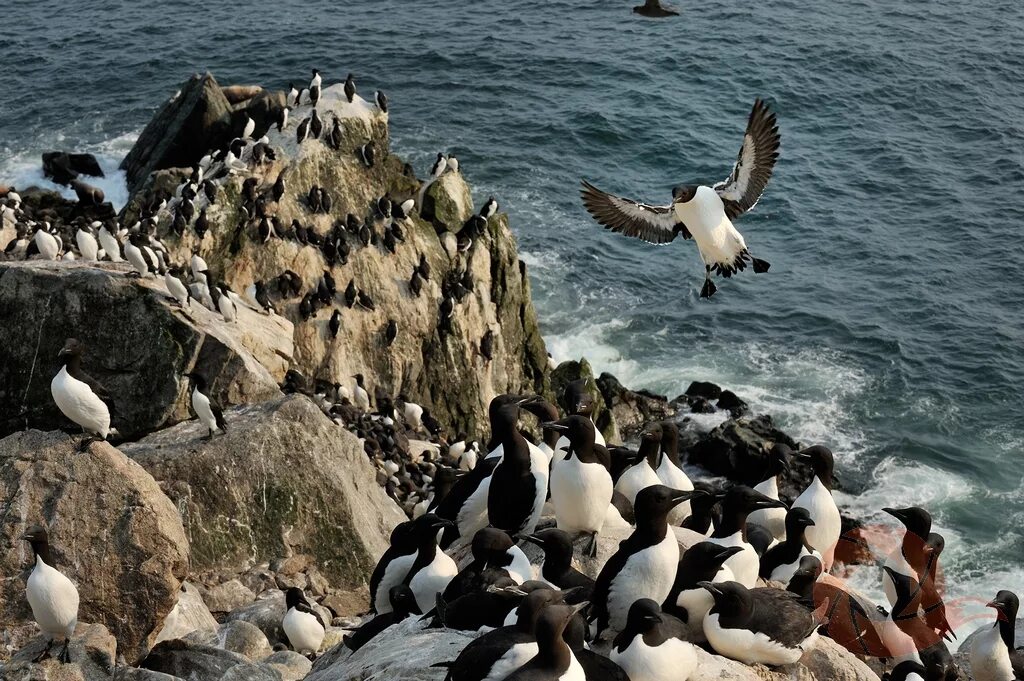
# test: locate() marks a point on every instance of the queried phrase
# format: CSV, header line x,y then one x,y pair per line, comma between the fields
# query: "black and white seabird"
x,y
431,569
739,502
655,10
303,625
206,408
249,129
382,101
78,396
314,88
931,597
554,660
350,88
773,519
390,333
758,626
293,95
823,536
581,486
403,604
782,560
641,475
176,287
908,637
557,568
302,132
700,212
670,469
87,244
519,483
51,595
489,208
111,246
366,154
316,125
644,565
282,117
687,600
992,653
134,253
440,165
402,544
46,244
910,557
653,646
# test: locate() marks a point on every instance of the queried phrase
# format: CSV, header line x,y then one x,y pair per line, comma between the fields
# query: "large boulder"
x,y
629,409
445,372
112,531
199,661
188,615
196,119
138,345
284,479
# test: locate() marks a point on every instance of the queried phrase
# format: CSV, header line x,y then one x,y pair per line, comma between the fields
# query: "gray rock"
x,y
266,614
569,371
284,479
137,674
197,661
444,373
197,118
631,410
289,664
189,614
93,651
139,358
238,637
111,529
228,596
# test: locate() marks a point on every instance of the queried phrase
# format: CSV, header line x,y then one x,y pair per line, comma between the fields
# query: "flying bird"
x,y
700,212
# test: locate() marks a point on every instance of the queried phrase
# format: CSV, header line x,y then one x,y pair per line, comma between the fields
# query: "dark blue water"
x,y
891,324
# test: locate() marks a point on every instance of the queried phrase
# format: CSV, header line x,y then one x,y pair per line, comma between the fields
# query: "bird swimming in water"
x,y
700,212
655,10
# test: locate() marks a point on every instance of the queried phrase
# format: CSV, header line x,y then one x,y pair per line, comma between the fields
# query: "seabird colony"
x,y
754,587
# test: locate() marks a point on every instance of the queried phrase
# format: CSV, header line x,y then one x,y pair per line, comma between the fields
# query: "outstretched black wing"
x,y
654,224
754,164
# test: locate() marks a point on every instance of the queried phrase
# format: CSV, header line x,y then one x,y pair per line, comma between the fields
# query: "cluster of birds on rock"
x,y
753,587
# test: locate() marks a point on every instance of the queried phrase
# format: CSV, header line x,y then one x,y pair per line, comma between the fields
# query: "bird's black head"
x,y
350,77
197,381
1006,605
903,670
316,72
809,567
577,398
543,410
778,458
917,520
935,544
708,556
36,533
489,542
741,498
644,615
403,600
579,429
359,379
797,519
684,193
293,596
730,597
658,500
72,348
550,538
821,460
652,433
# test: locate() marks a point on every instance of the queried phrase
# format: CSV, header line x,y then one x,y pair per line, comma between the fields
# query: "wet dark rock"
x,y
708,391
631,409
729,401
62,167
195,120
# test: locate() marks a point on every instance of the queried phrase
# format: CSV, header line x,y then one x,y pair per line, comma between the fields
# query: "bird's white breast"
x,y
79,403
990,660
201,403
824,534
53,599
514,658
304,630
432,580
670,661
673,476
773,519
519,569
87,244
745,564
580,493
394,574
713,232
648,573
636,478
473,514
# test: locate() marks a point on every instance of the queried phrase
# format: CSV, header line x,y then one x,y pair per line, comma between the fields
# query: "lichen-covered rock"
x,y
189,614
289,664
112,531
283,479
229,595
443,371
138,345
93,653
197,118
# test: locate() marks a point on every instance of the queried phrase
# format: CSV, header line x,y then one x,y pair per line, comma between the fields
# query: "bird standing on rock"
x,y
51,595
303,625
350,88
314,88
702,213
653,646
207,410
823,536
78,396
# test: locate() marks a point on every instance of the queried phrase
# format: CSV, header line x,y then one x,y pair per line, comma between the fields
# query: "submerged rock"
x,y
283,479
111,529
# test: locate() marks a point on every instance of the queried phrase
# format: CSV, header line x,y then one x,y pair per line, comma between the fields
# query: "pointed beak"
x,y
555,426
568,594
895,513
532,538
580,606
771,503
998,607
728,552
679,496
803,455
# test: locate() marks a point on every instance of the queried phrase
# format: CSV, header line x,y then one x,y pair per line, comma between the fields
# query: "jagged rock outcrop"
x,y
111,528
573,370
197,118
93,653
284,479
444,371
632,409
189,614
138,345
